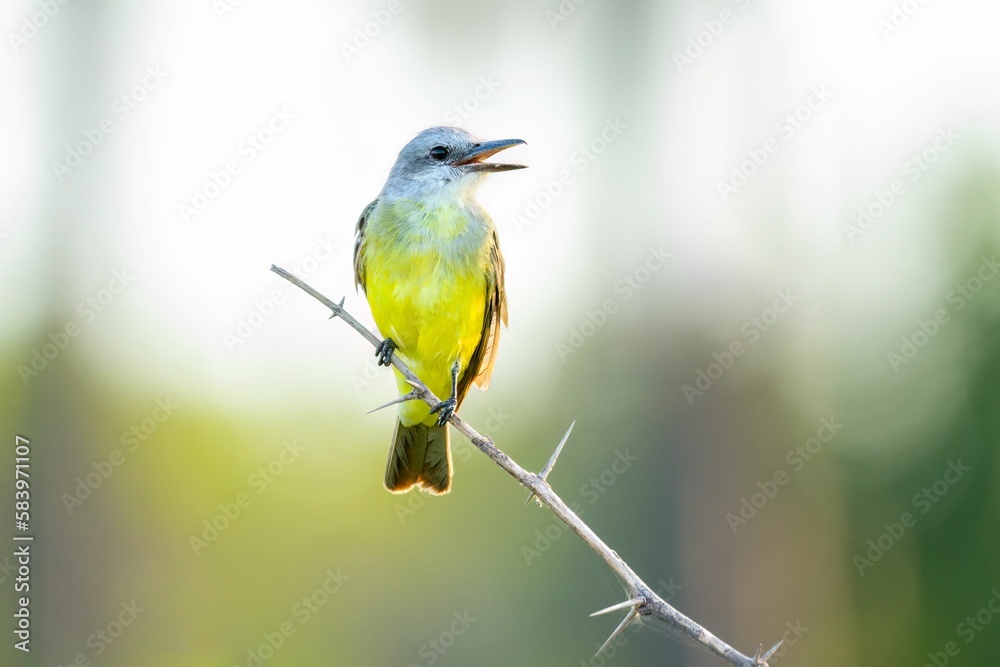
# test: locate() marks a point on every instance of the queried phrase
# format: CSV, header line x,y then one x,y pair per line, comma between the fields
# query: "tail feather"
x,y
420,456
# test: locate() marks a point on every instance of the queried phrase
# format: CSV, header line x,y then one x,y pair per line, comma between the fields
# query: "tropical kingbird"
x,y
429,262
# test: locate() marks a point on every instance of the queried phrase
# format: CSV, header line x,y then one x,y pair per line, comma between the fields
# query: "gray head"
x,y
446,160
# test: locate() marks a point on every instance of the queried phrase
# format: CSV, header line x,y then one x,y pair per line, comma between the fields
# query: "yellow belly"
x,y
432,307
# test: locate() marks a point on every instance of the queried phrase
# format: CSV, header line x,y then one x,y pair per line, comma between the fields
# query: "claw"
x,y
384,352
446,408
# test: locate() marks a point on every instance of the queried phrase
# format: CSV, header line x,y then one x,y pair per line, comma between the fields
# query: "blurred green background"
x,y
754,258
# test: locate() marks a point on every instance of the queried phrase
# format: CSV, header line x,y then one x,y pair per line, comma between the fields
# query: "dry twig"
x,y
644,601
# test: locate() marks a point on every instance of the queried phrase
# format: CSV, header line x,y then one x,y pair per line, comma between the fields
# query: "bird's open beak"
x,y
474,160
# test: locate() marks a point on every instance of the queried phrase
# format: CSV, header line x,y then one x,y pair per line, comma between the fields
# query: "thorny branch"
x,y
643,602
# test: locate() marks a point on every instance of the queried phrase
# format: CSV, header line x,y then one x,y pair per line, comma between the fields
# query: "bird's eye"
x,y
439,153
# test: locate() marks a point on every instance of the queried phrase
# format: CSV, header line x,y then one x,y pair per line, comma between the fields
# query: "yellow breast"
x,y
425,277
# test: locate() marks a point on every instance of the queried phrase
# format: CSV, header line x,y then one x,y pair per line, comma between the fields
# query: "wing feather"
x,y
359,246
480,368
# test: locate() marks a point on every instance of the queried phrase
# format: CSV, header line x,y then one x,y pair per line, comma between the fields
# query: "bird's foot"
x,y
446,408
384,352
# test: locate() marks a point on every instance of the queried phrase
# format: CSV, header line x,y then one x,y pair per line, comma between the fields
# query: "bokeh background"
x,y
753,258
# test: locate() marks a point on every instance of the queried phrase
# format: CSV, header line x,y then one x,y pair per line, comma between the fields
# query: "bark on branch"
x,y
643,602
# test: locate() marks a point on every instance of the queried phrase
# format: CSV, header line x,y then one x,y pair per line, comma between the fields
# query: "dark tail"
x,y
419,457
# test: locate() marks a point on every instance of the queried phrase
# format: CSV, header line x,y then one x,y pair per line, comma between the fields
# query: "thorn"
x,y
419,390
339,305
762,659
402,399
628,619
634,602
552,460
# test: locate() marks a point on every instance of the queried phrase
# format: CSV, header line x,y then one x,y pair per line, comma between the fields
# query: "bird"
x,y
428,259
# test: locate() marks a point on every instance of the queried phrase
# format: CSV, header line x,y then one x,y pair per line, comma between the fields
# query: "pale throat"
x,y
447,213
